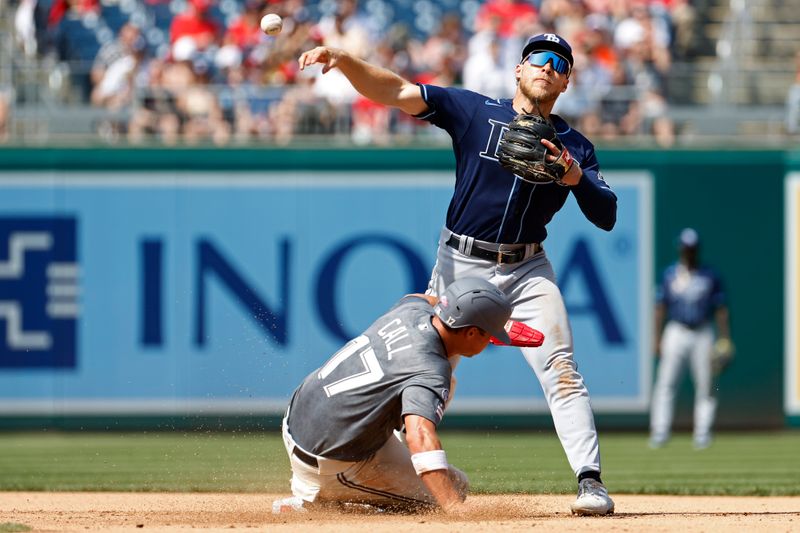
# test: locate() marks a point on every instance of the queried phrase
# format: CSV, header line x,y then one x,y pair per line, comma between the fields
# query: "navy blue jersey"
x,y
489,202
690,296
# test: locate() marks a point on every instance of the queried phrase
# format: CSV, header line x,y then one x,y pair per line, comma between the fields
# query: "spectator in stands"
x,y
25,27
644,32
510,13
297,107
66,17
440,58
595,61
793,100
245,32
116,85
112,51
486,31
197,23
642,47
346,29
648,34
642,66
595,39
234,101
565,17
370,122
619,113
485,72
198,104
78,8
155,111
683,19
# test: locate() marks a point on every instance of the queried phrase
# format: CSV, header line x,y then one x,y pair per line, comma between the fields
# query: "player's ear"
x,y
518,72
476,333
566,83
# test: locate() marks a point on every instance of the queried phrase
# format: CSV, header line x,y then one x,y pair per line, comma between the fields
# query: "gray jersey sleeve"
x,y
422,401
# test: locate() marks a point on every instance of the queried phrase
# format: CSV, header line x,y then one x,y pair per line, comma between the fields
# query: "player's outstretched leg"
x,y
566,393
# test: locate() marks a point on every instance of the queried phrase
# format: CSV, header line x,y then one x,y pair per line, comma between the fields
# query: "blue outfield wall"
x,y
163,286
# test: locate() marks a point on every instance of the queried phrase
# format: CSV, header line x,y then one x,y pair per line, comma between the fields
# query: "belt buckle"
x,y
507,257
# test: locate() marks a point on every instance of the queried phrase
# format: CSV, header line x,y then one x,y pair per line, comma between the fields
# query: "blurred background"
x,y
169,72
189,225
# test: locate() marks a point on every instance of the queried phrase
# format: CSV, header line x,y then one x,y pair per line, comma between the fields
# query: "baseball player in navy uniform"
x,y
496,222
690,298
340,426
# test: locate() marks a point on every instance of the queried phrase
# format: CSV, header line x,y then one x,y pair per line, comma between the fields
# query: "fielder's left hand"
x,y
574,174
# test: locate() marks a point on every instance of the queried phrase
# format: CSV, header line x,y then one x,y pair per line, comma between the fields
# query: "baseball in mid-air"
x,y
271,24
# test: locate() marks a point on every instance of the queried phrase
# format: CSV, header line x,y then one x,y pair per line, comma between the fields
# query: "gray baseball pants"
x,y
531,287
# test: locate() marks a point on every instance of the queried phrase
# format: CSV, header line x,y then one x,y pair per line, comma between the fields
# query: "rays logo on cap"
x,y
552,37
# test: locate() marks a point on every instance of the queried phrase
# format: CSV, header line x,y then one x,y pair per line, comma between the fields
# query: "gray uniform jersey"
x,y
347,409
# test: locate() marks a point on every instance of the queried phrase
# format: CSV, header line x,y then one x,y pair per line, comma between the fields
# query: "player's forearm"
x,y
723,322
596,199
381,85
658,315
430,462
420,438
442,489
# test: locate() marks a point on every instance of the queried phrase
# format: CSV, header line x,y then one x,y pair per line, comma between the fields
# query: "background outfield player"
x,y
339,427
496,222
689,297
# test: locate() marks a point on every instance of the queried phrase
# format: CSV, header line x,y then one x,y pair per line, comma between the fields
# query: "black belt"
x,y
310,460
497,256
697,325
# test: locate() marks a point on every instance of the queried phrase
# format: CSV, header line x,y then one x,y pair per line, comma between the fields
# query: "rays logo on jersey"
x,y
603,180
38,292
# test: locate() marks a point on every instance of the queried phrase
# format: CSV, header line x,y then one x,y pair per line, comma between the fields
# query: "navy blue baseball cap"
x,y
549,41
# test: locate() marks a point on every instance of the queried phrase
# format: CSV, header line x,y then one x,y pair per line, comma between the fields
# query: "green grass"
x,y
12,527
737,464
497,462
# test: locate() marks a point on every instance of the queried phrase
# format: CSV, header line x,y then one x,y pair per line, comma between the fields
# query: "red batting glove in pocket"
x,y
521,335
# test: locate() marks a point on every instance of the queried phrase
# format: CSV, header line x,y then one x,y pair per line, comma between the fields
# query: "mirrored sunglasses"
x,y
540,59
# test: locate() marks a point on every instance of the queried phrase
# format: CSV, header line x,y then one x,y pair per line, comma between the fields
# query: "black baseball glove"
x,y
522,152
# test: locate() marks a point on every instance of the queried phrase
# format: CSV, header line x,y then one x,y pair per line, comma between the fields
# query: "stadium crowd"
x,y
201,70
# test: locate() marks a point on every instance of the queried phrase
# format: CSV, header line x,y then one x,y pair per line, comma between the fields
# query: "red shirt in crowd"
x,y
508,11
204,30
244,33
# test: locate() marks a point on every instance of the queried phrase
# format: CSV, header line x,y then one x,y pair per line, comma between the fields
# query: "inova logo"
x,y
38,292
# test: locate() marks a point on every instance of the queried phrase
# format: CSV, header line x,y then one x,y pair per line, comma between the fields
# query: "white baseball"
x,y
271,24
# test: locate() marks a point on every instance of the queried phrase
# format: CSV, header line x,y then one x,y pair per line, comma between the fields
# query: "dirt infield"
x,y
184,512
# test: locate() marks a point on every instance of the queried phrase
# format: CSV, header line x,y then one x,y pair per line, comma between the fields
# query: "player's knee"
x,y
566,381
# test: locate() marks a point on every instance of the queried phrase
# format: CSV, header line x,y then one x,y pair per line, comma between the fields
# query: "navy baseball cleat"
x,y
592,499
